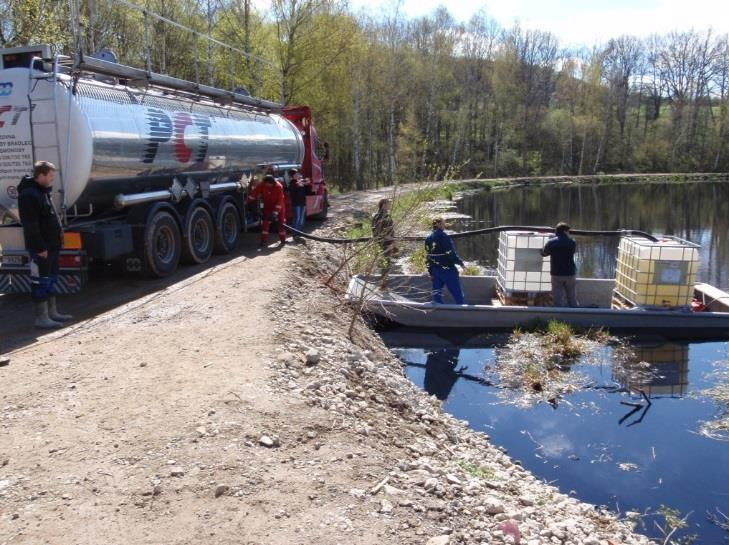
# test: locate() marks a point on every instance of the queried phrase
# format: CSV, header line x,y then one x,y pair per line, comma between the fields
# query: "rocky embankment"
x,y
446,483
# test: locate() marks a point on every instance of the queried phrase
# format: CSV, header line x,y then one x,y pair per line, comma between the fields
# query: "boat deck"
x,y
406,300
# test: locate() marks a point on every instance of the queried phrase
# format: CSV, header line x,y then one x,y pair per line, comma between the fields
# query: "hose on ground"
x,y
486,230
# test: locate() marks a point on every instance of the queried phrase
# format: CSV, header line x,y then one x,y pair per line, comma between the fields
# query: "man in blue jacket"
x,y
561,251
43,235
442,260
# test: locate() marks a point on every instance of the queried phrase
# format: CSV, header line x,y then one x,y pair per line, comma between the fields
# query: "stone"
x,y
439,540
177,471
526,501
268,442
493,506
221,490
452,479
386,506
312,357
287,358
201,431
391,490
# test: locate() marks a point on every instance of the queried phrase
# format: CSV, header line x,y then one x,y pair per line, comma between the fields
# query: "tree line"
x,y
406,99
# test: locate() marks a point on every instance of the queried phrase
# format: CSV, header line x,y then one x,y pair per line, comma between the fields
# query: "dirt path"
x,y
227,405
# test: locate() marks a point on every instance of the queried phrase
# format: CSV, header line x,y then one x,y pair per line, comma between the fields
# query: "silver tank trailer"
x,y
124,140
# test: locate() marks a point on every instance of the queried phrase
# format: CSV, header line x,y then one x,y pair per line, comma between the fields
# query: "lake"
x,y
602,443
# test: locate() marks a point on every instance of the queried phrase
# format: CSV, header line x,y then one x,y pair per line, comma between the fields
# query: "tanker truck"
x,y
152,170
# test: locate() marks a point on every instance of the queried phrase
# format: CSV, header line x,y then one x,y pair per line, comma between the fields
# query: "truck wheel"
x,y
321,216
197,245
161,244
227,228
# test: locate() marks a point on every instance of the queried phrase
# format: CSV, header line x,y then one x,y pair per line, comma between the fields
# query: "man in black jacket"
x,y
561,251
43,235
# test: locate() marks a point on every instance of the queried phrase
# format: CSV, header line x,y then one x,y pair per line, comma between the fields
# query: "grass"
x,y
474,470
562,338
535,365
471,270
718,428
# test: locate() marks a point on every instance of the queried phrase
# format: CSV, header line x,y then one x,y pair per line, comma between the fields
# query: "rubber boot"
x,y
42,320
53,313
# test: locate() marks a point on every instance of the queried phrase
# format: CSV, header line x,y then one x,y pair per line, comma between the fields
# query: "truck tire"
x,y
321,216
161,244
199,236
227,228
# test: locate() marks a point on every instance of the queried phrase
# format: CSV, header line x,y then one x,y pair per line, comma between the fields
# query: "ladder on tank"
x,y
45,143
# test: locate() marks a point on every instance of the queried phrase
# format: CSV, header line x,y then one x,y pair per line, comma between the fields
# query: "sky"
x,y
579,22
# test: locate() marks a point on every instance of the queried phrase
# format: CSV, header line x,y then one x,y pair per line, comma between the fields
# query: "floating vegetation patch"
x,y
718,428
536,366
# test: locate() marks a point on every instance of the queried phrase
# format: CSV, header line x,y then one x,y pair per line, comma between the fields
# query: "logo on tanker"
x,y
16,112
165,128
6,88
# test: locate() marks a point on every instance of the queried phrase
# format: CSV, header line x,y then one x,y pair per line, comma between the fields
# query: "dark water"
x,y
589,444
698,212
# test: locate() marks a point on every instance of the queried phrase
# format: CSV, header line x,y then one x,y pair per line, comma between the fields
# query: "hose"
x,y
486,230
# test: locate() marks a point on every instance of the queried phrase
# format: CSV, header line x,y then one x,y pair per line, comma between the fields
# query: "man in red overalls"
x,y
272,194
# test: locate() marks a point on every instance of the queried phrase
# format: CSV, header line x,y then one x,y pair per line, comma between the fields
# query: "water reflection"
x,y
440,372
693,211
656,370
645,370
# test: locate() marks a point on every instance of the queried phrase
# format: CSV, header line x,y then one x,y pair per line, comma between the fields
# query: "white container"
x,y
656,274
521,266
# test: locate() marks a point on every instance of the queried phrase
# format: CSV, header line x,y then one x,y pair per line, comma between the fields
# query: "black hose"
x,y
578,232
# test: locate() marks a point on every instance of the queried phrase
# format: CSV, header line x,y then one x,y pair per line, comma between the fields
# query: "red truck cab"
x,y
316,155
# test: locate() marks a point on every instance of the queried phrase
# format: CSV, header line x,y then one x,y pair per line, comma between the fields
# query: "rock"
x,y
312,357
452,479
526,501
386,506
357,493
201,431
493,506
430,484
267,442
287,358
4,360
221,490
440,540
177,471
391,490
511,528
